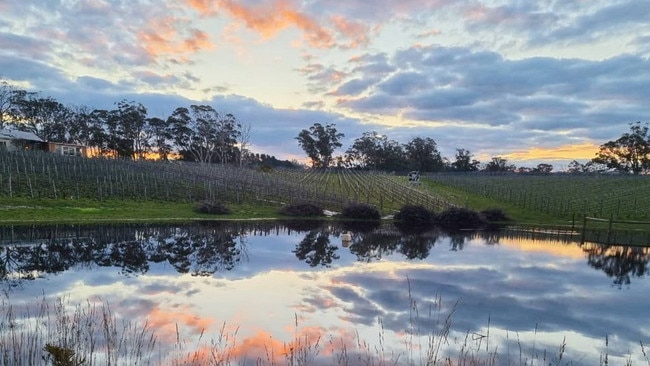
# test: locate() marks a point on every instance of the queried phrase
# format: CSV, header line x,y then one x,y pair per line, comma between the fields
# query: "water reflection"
x,y
29,252
523,280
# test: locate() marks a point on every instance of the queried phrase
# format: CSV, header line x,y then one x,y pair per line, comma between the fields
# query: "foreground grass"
x,y
62,334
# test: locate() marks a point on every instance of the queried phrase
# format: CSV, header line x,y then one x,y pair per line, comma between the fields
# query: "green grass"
x,y
23,210
478,202
623,197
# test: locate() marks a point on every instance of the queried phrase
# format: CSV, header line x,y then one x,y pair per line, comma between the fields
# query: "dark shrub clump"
x,y
415,215
360,211
495,215
213,208
460,218
302,210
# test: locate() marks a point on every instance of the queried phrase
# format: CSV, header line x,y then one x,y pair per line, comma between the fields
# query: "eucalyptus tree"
x,y
244,140
126,126
228,133
499,164
202,134
465,161
99,138
629,153
376,151
160,135
79,125
7,97
43,116
423,155
319,143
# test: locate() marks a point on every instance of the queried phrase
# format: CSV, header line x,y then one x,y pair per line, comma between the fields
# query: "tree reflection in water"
x,y
315,249
29,252
618,262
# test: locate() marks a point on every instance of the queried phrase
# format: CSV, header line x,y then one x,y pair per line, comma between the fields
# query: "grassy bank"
x,y
23,210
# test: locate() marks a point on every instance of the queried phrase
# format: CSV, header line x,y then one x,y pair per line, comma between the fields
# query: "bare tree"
x,y
6,102
244,141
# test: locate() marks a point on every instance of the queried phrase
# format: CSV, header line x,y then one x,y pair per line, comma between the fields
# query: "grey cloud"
x,y
405,83
517,299
353,87
24,46
619,18
540,93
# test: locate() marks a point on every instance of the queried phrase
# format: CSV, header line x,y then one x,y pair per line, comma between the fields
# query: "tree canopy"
x,y
319,143
630,153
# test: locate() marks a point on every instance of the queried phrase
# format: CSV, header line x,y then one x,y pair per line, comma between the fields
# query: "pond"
x,y
320,293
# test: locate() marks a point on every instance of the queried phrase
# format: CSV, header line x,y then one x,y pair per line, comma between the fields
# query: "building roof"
x,y
11,134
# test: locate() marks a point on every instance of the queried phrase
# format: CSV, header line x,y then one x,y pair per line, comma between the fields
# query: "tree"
x,y
79,125
543,168
423,155
499,164
576,167
629,153
160,135
465,162
319,143
244,141
203,135
45,117
376,151
7,97
128,123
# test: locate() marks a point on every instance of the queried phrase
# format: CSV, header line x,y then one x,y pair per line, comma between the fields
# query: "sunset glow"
x,y
477,76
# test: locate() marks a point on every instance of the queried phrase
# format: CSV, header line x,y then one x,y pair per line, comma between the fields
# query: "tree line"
x,y
195,133
628,154
200,133
376,151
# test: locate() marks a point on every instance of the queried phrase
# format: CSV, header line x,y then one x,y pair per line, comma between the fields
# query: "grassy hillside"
x,y
555,195
35,179
37,186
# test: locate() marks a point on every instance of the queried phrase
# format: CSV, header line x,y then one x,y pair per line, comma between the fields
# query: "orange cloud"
x,y
165,322
162,38
566,152
357,32
268,19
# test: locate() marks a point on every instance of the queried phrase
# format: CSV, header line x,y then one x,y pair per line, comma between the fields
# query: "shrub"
x,y
213,208
495,215
360,211
415,215
460,218
302,209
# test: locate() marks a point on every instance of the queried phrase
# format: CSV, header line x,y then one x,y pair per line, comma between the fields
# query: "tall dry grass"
x,y
59,333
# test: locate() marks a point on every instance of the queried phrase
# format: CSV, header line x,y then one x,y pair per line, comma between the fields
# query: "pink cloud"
x,y
355,31
161,37
268,19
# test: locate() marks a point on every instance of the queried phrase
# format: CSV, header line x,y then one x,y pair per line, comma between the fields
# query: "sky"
x,y
531,81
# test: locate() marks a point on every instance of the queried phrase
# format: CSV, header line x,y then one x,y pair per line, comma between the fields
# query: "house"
x,y
66,149
13,140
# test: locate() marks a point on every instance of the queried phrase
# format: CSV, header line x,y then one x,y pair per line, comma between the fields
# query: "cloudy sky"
x,y
532,81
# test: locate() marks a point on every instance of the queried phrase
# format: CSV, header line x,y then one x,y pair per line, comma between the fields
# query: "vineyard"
x,y
561,195
42,175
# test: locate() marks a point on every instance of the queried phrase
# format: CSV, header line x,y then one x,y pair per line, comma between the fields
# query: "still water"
x,y
308,293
